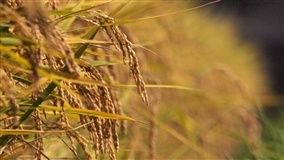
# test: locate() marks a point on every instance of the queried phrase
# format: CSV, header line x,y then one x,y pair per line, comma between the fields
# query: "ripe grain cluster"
x,y
44,78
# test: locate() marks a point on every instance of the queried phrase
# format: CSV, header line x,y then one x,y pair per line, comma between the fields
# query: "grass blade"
x,y
90,35
159,86
69,110
25,132
163,15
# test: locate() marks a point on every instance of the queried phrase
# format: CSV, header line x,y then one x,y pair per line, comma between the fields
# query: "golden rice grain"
x,y
33,24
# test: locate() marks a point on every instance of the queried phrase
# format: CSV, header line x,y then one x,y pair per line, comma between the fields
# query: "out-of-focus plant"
x,y
218,114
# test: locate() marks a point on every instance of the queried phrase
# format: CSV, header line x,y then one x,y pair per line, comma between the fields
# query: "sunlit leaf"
x,y
125,21
26,132
78,111
11,56
159,86
10,41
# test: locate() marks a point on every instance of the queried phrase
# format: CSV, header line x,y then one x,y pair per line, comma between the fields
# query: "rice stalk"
x,y
42,59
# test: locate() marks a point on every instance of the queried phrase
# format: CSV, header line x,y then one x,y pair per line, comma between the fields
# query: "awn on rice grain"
x,y
45,46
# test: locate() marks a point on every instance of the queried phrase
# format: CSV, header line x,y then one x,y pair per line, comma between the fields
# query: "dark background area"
x,y
262,23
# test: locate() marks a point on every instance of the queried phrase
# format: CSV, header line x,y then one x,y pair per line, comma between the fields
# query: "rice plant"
x,y
51,86
68,69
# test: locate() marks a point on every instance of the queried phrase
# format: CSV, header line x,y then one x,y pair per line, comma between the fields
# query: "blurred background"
x,y
230,55
261,24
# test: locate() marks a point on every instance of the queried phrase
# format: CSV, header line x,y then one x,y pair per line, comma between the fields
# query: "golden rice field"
x,y
129,79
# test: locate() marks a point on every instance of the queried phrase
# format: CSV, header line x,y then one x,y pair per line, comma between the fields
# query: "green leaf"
x,y
90,35
66,23
48,90
14,58
10,41
97,63
21,79
79,11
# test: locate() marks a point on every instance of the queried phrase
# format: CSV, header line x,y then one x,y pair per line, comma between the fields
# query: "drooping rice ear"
x,y
32,22
122,43
15,4
52,4
7,88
